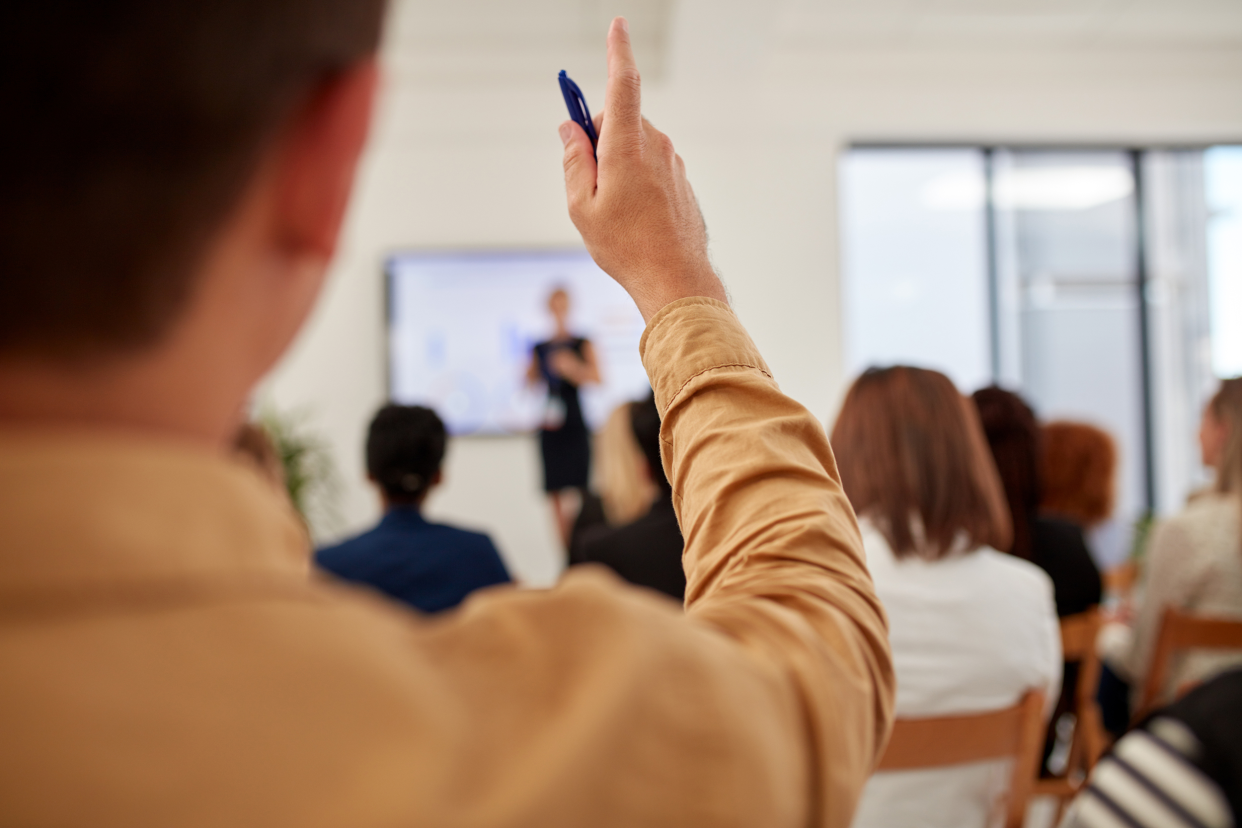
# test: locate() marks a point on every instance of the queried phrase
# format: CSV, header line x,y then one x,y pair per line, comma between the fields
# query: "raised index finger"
x,y
623,100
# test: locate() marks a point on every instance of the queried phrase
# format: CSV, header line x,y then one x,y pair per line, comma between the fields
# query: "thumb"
x,y
579,165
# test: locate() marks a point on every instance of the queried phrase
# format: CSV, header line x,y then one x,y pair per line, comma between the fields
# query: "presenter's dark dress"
x,y
564,440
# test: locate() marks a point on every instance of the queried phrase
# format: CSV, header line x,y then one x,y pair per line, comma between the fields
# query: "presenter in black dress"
x,y
564,363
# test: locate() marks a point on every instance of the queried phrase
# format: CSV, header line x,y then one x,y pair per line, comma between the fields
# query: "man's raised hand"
x,y
635,209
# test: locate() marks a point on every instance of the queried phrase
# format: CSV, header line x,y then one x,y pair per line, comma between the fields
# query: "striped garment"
x,y
1151,780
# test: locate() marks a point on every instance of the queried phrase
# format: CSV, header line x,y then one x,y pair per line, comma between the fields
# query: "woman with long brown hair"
x,y
971,628
1195,558
1055,544
1078,466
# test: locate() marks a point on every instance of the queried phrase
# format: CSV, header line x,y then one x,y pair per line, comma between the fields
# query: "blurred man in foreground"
x,y
175,176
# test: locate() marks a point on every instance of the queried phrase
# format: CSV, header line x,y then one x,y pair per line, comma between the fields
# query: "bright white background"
x,y
758,98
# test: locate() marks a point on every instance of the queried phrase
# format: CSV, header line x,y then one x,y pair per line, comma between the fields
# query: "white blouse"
x,y
970,633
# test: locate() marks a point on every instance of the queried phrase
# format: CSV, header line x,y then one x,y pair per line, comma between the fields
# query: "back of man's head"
x,y
405,448
645,420
131,129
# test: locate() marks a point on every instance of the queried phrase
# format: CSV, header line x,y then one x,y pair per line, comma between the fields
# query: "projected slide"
x,y
462,326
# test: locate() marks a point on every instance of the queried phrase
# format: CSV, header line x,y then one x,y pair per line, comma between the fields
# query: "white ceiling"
x,y
992,24
469,40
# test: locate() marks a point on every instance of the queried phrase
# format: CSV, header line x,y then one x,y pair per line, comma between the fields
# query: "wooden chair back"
x,y
1078,635
1016,732
1181,631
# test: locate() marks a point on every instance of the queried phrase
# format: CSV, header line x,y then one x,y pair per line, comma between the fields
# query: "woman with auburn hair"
x,y
1079,468
972,629
1194,560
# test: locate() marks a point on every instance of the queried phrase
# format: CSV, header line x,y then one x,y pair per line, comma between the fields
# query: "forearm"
x,y
773,555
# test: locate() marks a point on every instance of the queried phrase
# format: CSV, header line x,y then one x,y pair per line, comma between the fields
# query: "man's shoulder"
x,y
460,535
469,546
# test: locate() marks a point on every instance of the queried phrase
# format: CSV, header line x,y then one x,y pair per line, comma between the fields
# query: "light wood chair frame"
x,y
1016,732
1181,631
1078,636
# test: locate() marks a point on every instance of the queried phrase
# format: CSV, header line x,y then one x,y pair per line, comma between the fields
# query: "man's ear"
x,y
319,152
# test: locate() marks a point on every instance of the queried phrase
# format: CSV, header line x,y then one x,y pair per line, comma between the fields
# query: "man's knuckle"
x,y
629,76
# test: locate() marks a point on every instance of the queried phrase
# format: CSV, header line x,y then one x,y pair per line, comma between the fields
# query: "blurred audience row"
x,y
974,518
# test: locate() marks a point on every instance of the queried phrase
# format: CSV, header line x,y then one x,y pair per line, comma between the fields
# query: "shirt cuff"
x,y
692,336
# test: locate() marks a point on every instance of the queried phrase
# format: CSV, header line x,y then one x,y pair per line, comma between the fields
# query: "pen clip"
x,y
579,112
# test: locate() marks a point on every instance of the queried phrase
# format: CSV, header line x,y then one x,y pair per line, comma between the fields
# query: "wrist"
x,y
661,292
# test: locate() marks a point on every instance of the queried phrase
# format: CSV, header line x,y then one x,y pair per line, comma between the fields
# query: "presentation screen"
x,y
462,327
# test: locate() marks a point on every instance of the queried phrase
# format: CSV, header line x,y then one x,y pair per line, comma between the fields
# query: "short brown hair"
x,y
1078,469
909,445
131,128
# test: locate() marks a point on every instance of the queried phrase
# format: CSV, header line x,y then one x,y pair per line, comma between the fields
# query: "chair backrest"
x,y
1078,635
1183,631
1016,732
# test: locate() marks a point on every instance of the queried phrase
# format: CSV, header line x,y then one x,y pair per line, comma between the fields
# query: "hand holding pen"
x,y
634,207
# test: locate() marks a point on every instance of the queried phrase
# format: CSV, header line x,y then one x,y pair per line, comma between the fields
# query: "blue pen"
x,y
578,109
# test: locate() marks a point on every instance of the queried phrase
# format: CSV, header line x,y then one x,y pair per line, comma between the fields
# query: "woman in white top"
x,y
972,629
1195,557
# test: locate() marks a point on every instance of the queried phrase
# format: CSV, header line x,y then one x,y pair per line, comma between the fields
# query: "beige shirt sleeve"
x,y
773,554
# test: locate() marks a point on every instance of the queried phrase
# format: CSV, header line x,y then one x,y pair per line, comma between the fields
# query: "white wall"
x,y
475,162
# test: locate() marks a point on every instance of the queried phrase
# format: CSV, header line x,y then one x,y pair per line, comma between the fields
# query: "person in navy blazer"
x,y
430,566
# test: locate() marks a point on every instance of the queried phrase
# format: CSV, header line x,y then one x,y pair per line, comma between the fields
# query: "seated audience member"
x,y
427,565
646,551
166,658
1181,768
972,628
622,489
1194,559
1055,546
